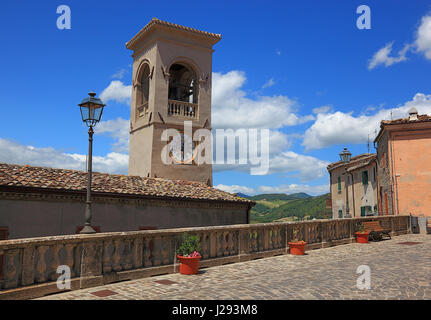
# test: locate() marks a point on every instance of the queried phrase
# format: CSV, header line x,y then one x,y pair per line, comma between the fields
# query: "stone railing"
x,y
182,108
29,266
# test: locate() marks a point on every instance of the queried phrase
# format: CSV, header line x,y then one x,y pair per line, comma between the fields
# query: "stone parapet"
x,y
29,266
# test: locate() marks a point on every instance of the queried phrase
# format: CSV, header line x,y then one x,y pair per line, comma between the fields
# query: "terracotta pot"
x,y
297,248
189,265
362,237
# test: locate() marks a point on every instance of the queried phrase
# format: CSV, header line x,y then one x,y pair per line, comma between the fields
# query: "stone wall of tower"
x,y
160,49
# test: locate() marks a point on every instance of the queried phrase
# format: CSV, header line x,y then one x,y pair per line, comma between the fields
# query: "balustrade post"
x,y
10,274
55,261
213,244
137,253
41,264
27,276
91,264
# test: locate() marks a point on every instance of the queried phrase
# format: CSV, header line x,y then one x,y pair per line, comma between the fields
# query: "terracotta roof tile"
x,y
421,118
355,162
156,21
12,175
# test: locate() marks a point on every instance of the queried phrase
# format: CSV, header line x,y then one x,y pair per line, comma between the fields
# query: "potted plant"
x,y
188,254
297,247
361,234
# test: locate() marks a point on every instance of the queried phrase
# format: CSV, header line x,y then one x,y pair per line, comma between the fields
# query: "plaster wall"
x,y
26,219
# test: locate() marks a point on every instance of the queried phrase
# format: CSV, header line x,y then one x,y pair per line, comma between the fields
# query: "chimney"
x,y
413,114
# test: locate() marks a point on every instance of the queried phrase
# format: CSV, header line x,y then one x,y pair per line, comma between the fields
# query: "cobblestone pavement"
x,y
398,271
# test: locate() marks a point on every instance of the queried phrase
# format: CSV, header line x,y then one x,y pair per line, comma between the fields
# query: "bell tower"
x,y
171,87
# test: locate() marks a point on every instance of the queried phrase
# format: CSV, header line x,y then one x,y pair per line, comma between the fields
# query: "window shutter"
x,y
364,177
339,183
362,211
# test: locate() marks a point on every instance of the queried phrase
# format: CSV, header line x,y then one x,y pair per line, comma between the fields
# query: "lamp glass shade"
x,y
345,155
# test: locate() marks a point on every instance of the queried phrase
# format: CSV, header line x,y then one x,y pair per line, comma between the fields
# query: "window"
x,y
365,210
339,183
182,84
143,91
340,214
365,177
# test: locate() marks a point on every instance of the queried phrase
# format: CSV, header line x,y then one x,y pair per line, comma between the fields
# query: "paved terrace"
x,y
398,271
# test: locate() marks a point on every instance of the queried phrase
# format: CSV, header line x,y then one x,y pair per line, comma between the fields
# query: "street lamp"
x,y
345,157
91,112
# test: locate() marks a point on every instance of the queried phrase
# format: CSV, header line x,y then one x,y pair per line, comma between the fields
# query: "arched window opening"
x,y
182,84
143,91
183,91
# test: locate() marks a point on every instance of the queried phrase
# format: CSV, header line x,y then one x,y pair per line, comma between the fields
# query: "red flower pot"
x,y
297,248
362,237
189,265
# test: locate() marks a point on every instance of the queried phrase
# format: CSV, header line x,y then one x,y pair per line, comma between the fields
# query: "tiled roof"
x,y
383,123
13,176
355,162
421,118
156,21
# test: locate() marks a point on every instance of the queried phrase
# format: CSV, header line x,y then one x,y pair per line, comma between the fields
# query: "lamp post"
x,y
345,157
91,112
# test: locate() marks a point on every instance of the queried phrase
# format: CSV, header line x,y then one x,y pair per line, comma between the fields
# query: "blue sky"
x,y
327,83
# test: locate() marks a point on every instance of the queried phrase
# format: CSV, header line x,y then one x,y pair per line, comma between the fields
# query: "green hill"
x,y
267,210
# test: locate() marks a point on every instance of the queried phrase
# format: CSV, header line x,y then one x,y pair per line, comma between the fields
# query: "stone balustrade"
x,y
29,266
182,108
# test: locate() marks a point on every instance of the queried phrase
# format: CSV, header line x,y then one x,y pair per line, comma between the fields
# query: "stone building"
x,y
353,187
172,71
36,201
404,159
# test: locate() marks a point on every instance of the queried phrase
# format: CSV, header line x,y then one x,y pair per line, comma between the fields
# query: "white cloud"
x,y
12,152
119,74
294,188
322,109
423,37
382,56
268,84
117,129
288,189
235,189
308,168
232,109
344,128
117,91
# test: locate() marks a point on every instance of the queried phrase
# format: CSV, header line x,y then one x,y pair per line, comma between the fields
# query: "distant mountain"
x,y
279,196
242,195
303,207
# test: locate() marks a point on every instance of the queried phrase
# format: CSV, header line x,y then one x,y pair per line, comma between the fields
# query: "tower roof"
x,y
154,23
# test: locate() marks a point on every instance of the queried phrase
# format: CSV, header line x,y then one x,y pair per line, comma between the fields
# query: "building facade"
x,y
394,181
172,70
353,187
404,159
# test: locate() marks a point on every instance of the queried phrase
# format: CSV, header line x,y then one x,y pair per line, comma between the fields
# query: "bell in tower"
x,y
171,87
